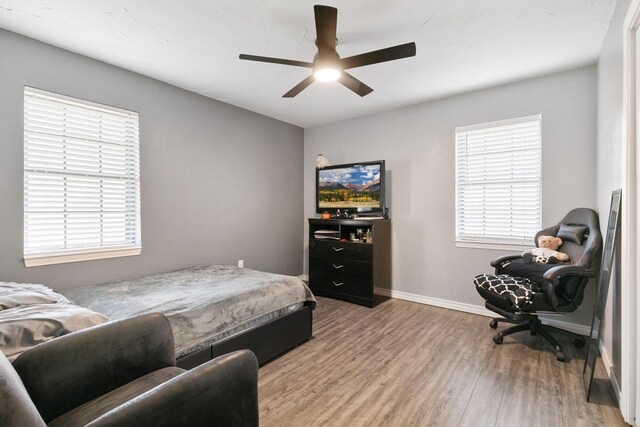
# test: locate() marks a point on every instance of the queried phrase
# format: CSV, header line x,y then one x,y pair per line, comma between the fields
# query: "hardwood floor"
x,y
408,364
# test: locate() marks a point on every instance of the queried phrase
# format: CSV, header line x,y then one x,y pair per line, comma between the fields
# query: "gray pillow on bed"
x,y
19,298
18,294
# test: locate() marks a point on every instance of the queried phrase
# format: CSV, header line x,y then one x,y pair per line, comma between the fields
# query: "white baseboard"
x,y
608,367
475,309
304,277
453,305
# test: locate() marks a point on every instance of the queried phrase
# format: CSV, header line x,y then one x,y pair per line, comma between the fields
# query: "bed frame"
x,y
267,341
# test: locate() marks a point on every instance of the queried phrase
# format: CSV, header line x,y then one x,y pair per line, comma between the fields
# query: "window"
x,y
81,180
498,182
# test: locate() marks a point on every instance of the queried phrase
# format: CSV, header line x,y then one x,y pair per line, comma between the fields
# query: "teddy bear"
x,y
546,252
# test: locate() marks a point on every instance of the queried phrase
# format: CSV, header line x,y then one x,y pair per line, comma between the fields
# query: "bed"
x,y
212,309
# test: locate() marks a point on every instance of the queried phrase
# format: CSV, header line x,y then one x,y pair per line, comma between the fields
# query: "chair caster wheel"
x,y
560,357
493,324
579,342
498,339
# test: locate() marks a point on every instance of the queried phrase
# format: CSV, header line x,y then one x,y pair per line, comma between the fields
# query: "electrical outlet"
x,y
241,263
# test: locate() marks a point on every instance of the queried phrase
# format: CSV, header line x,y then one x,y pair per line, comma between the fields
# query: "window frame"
x,y
484,242
51,256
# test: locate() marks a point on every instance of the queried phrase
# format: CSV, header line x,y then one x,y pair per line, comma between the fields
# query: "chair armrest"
x,y
496,262
222,392
553,274
68,371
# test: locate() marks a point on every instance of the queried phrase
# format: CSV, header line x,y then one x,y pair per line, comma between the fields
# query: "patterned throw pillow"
x,y
518,290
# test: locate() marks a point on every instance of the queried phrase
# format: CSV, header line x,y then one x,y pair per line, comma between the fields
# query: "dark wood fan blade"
x,y
347,80
276,60
299,87
326,20
383,55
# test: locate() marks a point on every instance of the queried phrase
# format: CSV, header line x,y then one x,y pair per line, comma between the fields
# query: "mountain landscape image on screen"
x,y
352,187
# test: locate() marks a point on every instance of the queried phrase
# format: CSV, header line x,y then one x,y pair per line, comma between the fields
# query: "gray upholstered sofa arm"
x,y
68,371
221,392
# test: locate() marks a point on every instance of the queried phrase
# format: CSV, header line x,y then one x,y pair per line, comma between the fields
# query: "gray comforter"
x,y
203,304
31,314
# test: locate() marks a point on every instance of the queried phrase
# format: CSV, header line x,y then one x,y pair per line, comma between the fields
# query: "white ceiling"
x,y
462,45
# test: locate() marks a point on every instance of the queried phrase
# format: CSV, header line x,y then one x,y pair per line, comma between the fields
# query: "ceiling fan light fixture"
x,y
326,74
327,64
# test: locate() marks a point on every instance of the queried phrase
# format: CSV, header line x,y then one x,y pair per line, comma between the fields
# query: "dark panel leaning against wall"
x,y
208,171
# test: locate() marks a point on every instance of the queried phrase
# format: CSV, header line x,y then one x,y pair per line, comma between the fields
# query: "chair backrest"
x,y
586,254
16,407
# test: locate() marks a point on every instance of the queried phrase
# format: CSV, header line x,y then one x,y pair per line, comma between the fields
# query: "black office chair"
x,y
520,291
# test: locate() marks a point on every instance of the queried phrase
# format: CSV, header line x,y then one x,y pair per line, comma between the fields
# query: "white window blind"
x,y
81,180
498,181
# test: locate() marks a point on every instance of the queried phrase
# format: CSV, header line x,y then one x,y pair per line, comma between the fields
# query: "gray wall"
x,y
610,145
417,143
219,183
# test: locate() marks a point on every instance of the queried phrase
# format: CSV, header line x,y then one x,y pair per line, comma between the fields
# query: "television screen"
x,y
358,187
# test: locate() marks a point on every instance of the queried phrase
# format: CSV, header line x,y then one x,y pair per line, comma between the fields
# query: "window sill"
x,y
49,258
493,246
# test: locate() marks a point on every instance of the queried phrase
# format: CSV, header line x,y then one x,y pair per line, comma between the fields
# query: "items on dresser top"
x,y
327,234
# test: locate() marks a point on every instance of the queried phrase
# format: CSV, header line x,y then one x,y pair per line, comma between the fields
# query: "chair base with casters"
x,y
531,322
521,290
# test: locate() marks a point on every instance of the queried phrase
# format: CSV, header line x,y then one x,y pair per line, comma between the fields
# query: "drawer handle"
x,y
337,267
337,284
338,249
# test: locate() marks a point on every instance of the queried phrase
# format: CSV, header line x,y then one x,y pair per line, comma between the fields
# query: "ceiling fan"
x,y
327,64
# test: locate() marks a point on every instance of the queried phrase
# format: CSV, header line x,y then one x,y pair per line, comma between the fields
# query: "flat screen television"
x,y
357,187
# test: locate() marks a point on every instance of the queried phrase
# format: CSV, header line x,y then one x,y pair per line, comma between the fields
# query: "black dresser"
x,y
349,270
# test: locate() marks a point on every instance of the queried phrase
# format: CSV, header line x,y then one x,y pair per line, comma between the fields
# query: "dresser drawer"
x,y
340,250
341,285
341,267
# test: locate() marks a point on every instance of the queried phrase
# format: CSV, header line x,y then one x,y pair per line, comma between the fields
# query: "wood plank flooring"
x,y
409,364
